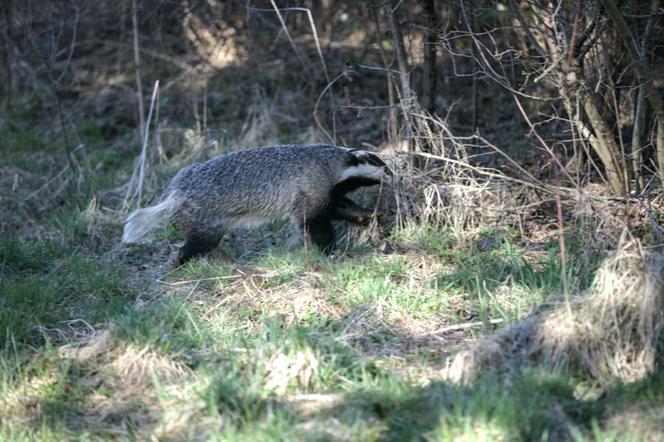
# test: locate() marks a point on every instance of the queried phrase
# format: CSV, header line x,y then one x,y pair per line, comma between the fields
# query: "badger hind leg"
x,y
196,244
347,210
320,231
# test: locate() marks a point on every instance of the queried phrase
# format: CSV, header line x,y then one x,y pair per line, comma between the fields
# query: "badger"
x,y
242,189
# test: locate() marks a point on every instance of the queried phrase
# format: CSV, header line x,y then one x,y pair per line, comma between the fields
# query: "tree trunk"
x,y
429,53
606,147
404,74
642,73
392,126
635,154
137,67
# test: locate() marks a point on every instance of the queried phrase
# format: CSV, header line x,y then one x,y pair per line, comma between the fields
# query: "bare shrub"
x,y
451,190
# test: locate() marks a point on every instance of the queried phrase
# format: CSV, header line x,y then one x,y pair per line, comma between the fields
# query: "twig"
x,y
283,25
192,281
307,11
400,52
137,66
575,25
142,159
378,68
392,129
483,171
320,97
563,254
464,326
36,192
546,147
144,150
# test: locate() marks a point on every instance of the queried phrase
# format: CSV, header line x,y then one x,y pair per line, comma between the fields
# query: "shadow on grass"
x,y
530,405
482,267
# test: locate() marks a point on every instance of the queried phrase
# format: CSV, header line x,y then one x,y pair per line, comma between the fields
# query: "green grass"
x,y
45,284
234,348
249,329
21,141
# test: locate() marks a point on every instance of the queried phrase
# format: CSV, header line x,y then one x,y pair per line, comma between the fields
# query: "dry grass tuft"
x,y
132,367
283,370
18,189
441,185
118,380
378,329
133,385
24,402
297,301
614,331
371,318
259,128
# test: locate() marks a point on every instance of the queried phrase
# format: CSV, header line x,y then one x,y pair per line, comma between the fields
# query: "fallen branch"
x,y
464,326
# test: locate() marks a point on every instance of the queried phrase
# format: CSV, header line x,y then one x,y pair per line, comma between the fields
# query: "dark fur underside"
x,y
317,227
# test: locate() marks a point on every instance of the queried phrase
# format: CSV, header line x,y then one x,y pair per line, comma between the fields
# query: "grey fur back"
x,y
248,187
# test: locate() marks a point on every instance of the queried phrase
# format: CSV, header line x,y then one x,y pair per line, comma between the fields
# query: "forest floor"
x,y
267,339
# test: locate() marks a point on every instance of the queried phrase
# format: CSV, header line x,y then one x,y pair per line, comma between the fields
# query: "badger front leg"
x,y
347,210
196,244
322,234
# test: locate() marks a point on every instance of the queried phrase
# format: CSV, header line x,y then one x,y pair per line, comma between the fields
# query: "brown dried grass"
x,y
137,386
613,331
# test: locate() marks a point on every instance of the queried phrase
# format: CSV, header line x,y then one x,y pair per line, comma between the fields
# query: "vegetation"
x,y
512,288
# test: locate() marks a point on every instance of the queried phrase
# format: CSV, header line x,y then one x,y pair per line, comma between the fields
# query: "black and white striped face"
x,y
366,165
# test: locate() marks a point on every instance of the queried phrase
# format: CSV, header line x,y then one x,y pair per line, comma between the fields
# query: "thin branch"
x,y
144,150
285,28
137,66
320,97
464,326
400,52
138,174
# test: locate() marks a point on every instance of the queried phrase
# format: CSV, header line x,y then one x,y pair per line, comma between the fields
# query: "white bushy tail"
x,y
142,221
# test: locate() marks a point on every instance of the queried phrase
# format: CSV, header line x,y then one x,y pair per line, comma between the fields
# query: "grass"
x,y
44,284
235,351
47,284
261,341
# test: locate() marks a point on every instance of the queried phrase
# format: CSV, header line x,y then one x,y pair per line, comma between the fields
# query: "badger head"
x,y
366,166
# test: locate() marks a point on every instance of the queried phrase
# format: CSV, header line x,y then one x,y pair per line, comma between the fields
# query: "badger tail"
x,y
142,221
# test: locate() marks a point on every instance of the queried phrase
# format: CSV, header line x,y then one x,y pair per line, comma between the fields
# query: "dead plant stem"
x,y
144,150
137,67
563,254
464,326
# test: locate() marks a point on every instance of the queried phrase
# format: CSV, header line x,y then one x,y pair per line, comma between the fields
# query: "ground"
x,y
267,339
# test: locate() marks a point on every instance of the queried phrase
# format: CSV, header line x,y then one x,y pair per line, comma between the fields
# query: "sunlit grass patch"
x,y
283,266
436,241
229,346
204,273
173,326
368,279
